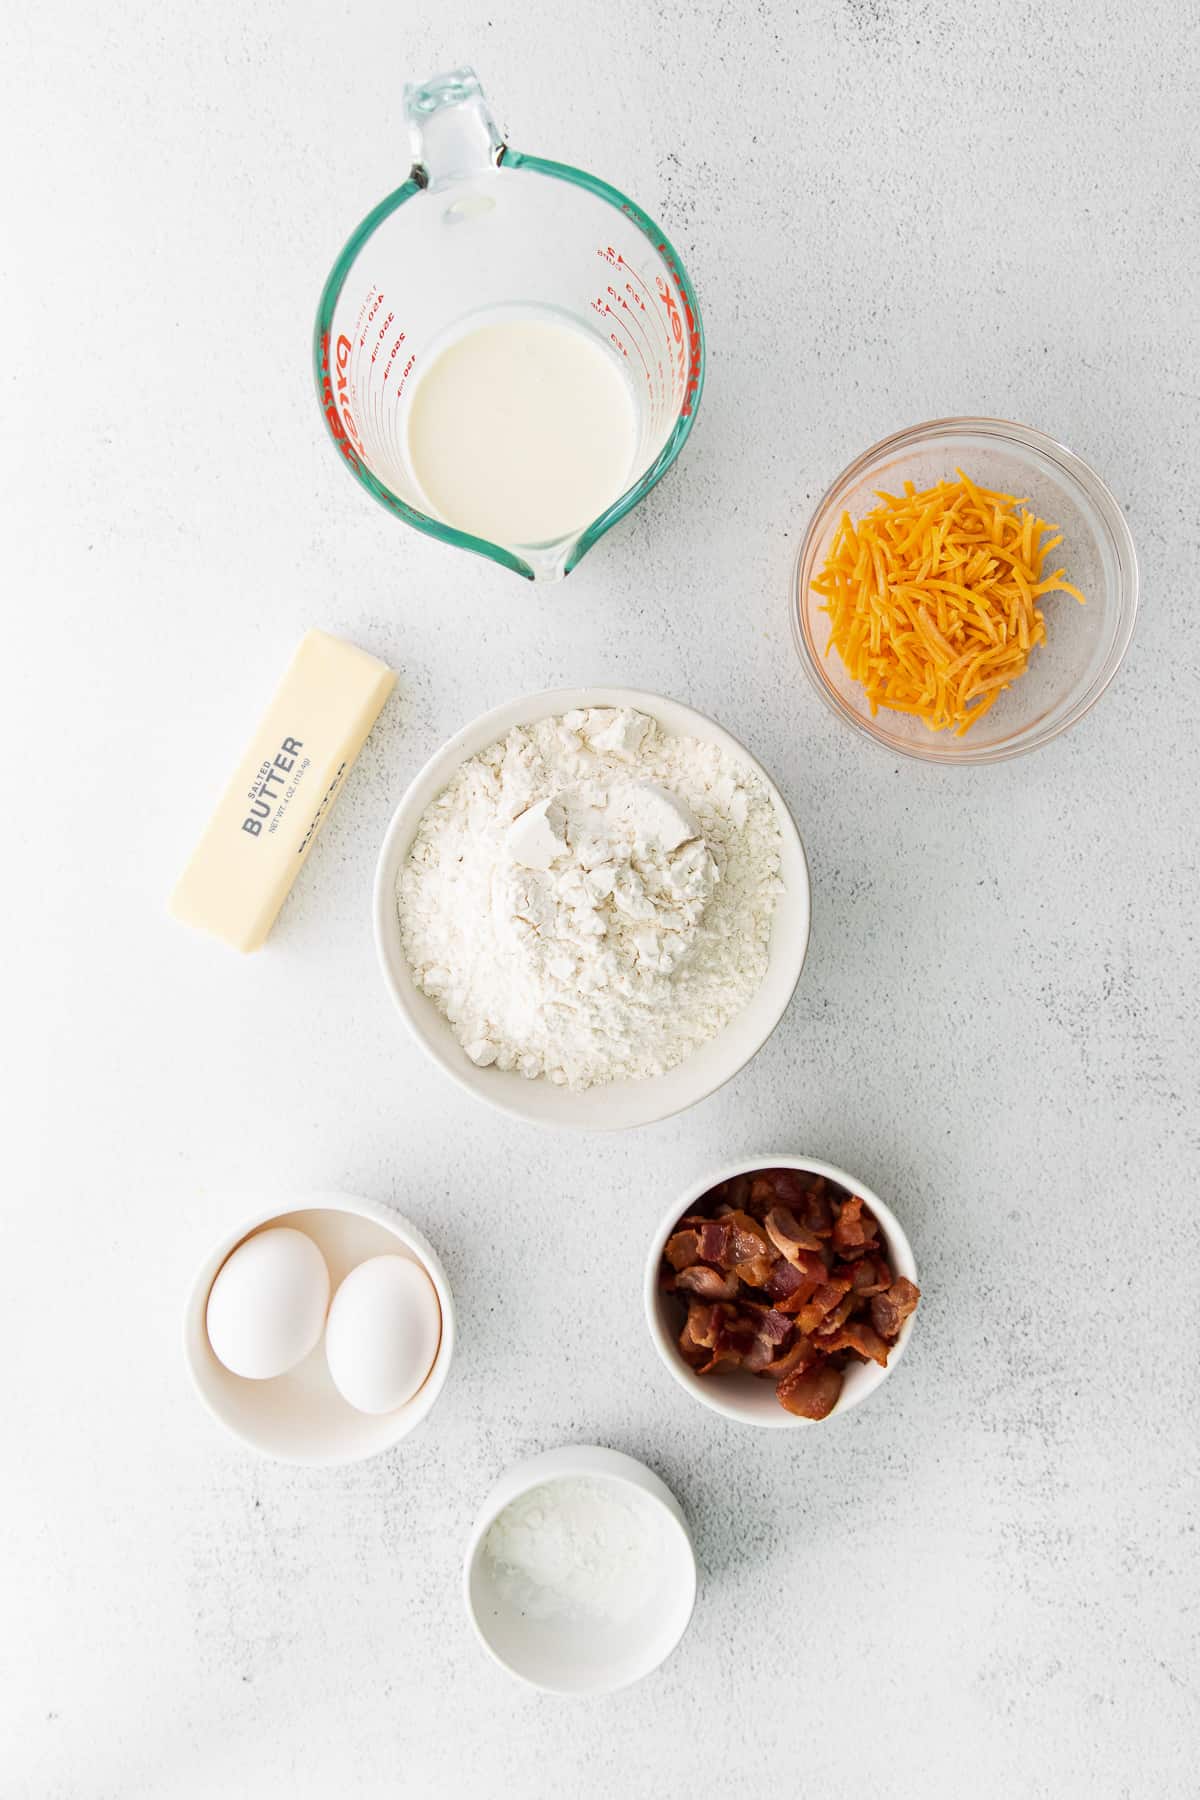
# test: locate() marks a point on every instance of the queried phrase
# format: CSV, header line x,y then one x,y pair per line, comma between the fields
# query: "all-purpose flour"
x,y
590,899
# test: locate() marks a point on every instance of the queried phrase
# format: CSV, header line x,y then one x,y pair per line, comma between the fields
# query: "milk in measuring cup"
x,y
522,429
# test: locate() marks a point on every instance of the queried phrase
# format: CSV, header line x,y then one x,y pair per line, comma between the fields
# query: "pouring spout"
x,y
550,562
450,128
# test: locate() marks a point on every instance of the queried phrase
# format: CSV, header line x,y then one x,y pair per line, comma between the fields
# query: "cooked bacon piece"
x,y
889,1311
857,1336
855,1230
787,1234
791,1185
755,1272
737,1191
804,1195
716,1243
905,1293
824,1302
735,1327
870,1275
703,1322
772,1330
833,1321
683,1249
710,1284
749,1238
763,1194
734,1339
699,1333
783,1280
885,1316
776,1325
814,1209
811,1275
811,1393
801,1353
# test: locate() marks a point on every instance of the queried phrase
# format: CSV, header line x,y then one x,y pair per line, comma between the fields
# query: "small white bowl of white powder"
x,y
580,1575
592,907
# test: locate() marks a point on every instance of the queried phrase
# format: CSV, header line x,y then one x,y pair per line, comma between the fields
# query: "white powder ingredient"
x,y
590,899
576,1546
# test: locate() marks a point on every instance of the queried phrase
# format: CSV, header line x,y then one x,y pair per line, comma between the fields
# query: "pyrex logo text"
x,y
338,416
687,340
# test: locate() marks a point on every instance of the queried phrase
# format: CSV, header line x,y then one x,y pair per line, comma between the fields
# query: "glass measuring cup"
x,y
476,228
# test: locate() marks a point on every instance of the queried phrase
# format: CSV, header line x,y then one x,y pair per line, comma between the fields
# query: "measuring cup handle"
x,y
451,129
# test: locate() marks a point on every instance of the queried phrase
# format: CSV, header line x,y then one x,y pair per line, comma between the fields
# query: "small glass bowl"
x,y
1084,644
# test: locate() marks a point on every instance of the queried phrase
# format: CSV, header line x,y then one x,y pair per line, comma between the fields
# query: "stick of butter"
x,y
272,810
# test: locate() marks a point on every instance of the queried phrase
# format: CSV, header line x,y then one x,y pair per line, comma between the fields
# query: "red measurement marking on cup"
x,y
685,337
634,296
630,301
602,304
623,265
634,311
636,283
380,333
632,323
647,327
368,315
409,365
398,355
637,287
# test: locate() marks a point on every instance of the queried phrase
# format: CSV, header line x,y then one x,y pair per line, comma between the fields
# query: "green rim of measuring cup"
x,y
331,293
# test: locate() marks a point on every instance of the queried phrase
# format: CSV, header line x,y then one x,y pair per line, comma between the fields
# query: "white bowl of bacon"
x,y
780,1291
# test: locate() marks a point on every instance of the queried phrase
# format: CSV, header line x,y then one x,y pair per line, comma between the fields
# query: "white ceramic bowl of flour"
x,y
613,1105
580,1576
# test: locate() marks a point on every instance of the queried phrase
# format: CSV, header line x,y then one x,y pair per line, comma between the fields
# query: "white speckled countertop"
x,y
984,1583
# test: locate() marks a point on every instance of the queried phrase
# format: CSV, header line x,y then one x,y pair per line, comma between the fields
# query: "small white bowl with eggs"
x,y
349,1301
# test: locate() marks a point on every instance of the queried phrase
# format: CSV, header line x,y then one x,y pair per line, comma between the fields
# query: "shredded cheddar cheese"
x,y
932,599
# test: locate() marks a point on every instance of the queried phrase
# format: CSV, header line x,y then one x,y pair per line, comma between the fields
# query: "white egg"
x,y
383,1332
268,1303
